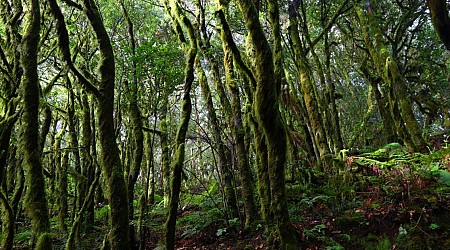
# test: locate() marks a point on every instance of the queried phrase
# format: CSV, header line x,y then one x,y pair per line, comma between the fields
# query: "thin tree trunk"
x,y
61,161
336,134
186,108
88,167
223,160
163,140
110,159
7,222
237,128
136,124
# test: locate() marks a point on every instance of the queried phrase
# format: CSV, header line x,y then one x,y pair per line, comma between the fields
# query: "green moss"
x,y
44,242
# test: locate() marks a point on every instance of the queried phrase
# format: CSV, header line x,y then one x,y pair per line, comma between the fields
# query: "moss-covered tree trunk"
x,y
136,122
178,160
110,158
224,165
220,147
190,47
336,134
61,174
264,188
238,130
35,199
9,81
441,20
307,87
268,115
7,216
165,162
72,124
6,212
88,167
398,94
60,165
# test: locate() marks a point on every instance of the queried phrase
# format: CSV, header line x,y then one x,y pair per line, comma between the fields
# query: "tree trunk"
x,y
136,124
164,144
441,20
238,131
264,188
36,202
223,168
88,167
7,216
186,109
307,88
398,94
268,115
110,158
336,134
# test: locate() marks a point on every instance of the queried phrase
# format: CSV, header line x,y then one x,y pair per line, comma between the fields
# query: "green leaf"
x,y
444,177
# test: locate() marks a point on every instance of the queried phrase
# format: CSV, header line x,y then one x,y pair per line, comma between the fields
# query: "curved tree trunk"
x,y
35,199
186,109
398,94
237,128
268,115
110,157
441,20
136,124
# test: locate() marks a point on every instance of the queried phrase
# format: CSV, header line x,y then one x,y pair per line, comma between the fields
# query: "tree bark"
x,y
268,116
186,109
237,127
110,157
36,202
441,20
136,123
221,149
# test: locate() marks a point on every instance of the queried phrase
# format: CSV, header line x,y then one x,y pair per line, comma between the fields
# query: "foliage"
x,y
328,89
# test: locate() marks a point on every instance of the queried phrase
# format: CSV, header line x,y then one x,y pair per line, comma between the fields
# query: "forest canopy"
x,y
245,124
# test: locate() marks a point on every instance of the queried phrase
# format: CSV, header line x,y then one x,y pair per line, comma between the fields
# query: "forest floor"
x,y
385,199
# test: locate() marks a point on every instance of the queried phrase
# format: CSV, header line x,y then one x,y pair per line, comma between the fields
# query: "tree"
x,y
190,47
36,203
10,77
388,69
104,93
440,19
236,122
136,122
268,78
